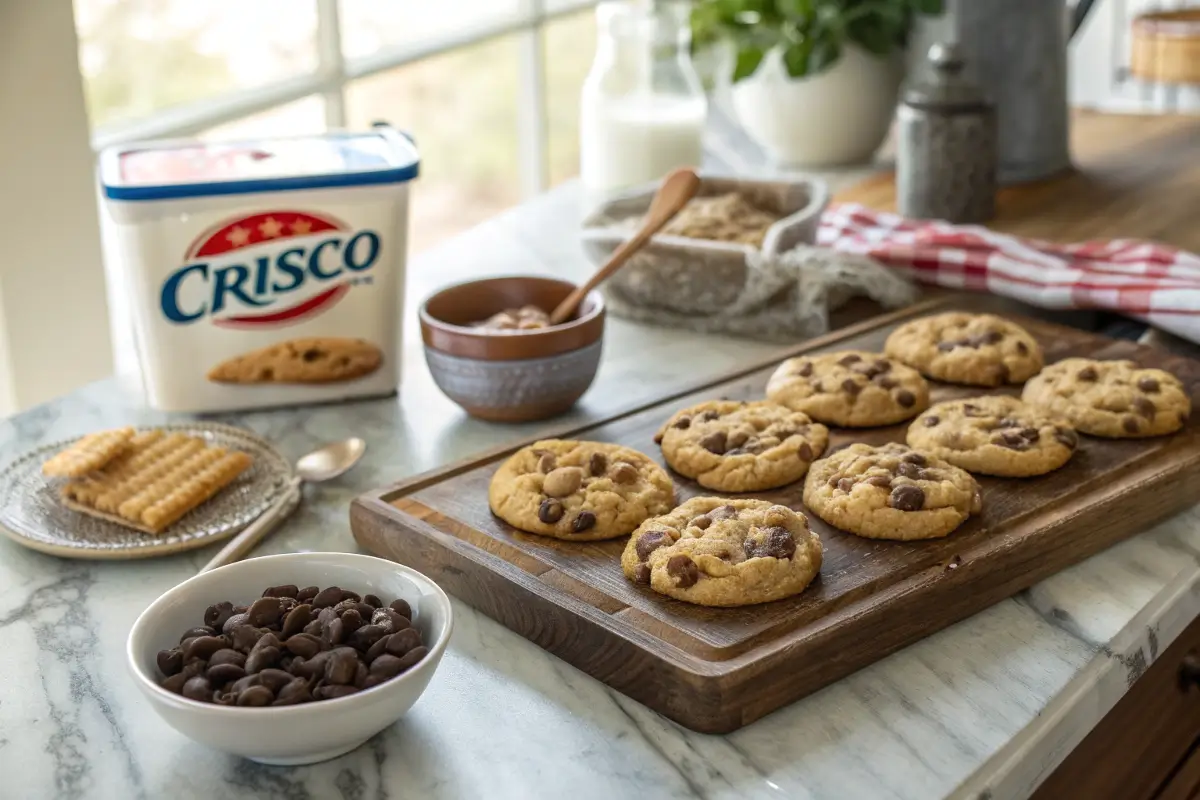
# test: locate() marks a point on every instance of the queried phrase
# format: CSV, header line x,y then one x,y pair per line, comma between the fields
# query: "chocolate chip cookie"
x,y
1114,399
890,492
971,349
713,551
741,447
852,388
579,490
994,436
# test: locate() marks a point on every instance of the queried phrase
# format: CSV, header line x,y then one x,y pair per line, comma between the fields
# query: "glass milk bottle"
x,y
642,110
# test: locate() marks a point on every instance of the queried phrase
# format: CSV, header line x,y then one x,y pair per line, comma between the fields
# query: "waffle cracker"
x,y
89,454
157,480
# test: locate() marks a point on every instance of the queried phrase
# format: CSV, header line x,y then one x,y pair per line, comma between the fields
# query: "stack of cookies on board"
x,y
719,551
145,480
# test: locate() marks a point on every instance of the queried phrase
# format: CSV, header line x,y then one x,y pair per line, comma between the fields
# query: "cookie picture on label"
x,y
320,359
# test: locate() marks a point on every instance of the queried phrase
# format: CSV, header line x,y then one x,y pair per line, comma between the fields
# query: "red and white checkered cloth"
x,y
1153,282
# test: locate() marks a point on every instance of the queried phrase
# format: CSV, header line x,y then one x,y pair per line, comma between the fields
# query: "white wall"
x,y
53,317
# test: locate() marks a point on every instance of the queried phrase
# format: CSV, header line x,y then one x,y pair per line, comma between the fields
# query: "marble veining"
x,y
983,709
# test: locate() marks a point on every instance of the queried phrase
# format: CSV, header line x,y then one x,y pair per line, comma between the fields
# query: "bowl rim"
x,y
178,701
595,296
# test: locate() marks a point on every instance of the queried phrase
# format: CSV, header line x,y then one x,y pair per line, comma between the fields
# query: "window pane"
x,y
461,110
294,119
369,25
569,44
141,56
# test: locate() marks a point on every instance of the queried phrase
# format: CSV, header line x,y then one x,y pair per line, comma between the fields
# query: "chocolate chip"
x,y
777,542
702,522
709,416
372,601
598,464
550,511
845,484
264,611
295,692
991,337
255,696
907,498
1145,407
1087,374
1022,348
930,420
1130,424
1032,434
303,644
198,688
683,570
724,512
333,631
197,632
169,661
1066,436
651,541
805,452
245,637
366,636
714,442
262,657
404,641
222,674
946,347
906,398
226,656
215,616
286,590
584,521
847,360
683,423
341,666
401,607
327,597
882,481
295,620
624,473
806,369
971,410
1012,440
914,458
1148,385
883,365
203,647
851,387
641,574
908,470
308,593
887,383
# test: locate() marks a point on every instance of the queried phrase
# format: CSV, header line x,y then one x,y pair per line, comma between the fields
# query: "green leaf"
x,y
797,10
748,59
795,58
825,52
928,6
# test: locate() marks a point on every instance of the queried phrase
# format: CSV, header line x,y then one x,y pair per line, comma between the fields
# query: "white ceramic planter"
x,y
840,116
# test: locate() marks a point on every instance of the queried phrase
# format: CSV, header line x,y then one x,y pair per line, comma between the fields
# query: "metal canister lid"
x,y
944,86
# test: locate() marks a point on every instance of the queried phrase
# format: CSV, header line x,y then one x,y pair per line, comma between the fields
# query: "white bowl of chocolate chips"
x,y
290,659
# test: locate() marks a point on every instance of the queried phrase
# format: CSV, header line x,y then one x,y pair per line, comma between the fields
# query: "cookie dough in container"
x,y
262,273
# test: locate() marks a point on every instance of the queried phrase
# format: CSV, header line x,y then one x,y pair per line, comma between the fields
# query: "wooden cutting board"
x,y
715,670
1136,177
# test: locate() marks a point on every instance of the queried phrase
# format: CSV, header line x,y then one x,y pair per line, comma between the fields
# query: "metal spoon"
x,y
320,465
676,190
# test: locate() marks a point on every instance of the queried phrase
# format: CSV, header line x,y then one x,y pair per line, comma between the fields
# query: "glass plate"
x,y
32,515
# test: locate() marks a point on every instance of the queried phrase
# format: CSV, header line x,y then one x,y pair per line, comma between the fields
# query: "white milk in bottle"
x,y
643,109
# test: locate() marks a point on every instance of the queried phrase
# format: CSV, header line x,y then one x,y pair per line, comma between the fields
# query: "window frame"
x,y
334,72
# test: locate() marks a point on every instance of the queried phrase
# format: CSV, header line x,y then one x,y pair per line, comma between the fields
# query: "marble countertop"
x,y
983,709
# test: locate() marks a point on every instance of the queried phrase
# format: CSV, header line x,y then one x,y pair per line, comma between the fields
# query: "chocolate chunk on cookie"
x,y
714,551
580,491
999,436
970,349
1113,399
851,388
741,447
890,492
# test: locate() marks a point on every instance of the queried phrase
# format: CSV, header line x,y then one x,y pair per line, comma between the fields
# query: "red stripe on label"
x,y
310,307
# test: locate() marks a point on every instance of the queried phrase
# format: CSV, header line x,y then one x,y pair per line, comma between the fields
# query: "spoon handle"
x,y
677,189
240,545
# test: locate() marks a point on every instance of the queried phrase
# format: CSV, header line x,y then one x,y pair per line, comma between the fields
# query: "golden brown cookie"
x,y
1114,399
851,388
714,551
997,435
890,492
731,446
321,359
971,349
581,491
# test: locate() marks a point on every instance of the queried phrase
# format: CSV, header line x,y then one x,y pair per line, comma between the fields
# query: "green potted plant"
x,y
813,81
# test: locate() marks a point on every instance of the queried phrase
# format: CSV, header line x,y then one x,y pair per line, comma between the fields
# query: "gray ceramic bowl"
x,y
511,376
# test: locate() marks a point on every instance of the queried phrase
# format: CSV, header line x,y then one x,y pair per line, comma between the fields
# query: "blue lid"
x,y
176,169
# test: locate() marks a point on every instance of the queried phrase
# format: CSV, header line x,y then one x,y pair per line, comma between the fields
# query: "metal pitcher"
x,y
1016,51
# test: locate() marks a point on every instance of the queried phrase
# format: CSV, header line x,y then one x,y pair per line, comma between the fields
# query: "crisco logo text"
x,y
240,280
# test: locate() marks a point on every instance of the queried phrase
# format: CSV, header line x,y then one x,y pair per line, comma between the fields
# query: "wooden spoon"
x,y
677,189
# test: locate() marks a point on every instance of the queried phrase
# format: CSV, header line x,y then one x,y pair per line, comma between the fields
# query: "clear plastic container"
x,y
643,108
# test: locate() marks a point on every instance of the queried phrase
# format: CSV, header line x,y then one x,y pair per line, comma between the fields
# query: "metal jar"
x,y
946,145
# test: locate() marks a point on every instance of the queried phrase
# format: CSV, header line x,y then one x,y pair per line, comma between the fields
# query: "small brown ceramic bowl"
x,y
511,376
